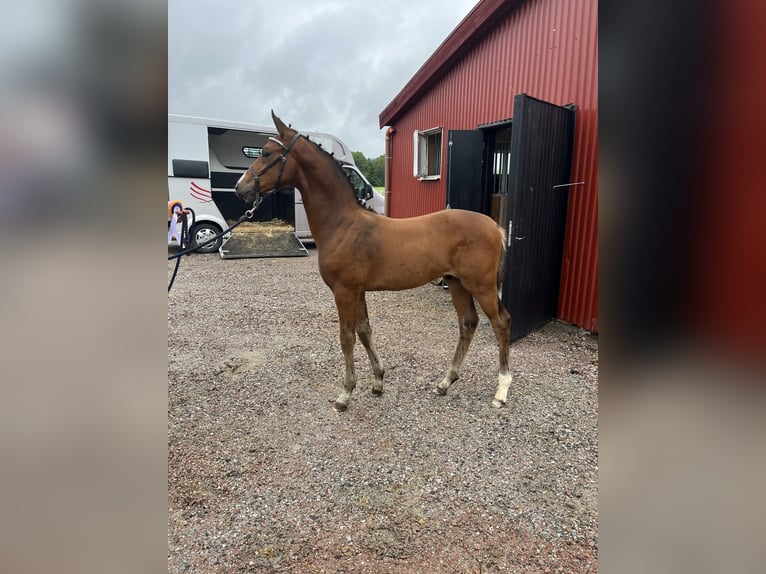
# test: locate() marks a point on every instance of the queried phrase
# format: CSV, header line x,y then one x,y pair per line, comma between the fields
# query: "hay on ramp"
x,y
275,238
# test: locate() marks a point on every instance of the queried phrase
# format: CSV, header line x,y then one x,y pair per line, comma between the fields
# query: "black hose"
x,y
190,250
177,256
181,241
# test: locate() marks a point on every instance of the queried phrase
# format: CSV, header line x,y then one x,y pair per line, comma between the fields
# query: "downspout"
x,y
387,172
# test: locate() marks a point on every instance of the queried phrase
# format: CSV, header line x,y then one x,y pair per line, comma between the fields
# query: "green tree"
x,y
373,169
378,171
361,162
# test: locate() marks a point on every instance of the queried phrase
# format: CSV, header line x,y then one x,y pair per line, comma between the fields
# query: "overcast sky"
x,y
322,65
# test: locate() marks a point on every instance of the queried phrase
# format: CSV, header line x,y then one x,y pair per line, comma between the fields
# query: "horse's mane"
x,y
336,166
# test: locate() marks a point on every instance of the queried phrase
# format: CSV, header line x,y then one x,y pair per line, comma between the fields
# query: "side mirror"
x,y
367,191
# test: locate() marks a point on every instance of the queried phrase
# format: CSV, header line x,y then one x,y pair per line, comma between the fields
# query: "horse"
x,y
360,251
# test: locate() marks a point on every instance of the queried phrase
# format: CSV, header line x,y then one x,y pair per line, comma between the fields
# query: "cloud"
x,y
327,66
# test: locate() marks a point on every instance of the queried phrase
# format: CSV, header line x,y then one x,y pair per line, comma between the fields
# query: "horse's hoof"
x,y
377,392
339,407
440,391
497,404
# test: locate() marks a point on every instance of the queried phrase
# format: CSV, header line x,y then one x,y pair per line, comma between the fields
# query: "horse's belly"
x,y
403,276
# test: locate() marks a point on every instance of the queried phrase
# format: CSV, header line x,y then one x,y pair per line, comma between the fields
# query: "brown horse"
x,y
360,251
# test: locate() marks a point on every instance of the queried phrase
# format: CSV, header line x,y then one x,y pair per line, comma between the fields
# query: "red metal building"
x,y
547,49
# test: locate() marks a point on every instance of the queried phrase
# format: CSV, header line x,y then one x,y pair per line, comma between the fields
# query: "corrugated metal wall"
x,y
549,50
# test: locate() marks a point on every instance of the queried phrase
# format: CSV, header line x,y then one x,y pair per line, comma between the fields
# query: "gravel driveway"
x,y
263,476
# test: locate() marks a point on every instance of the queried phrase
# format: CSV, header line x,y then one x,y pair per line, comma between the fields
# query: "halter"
x,y
280,160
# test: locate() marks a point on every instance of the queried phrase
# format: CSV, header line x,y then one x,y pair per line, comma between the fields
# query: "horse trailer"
x,y
206,157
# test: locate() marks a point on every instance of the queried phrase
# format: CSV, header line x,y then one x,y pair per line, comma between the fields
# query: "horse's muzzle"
x,y
247,190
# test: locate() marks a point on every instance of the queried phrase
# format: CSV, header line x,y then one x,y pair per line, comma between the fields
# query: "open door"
x,y
541,158
465,149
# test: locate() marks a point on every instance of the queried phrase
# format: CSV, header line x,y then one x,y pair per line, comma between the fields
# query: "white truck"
x,y
206,157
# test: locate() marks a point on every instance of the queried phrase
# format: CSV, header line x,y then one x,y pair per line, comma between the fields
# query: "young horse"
x,y
360,251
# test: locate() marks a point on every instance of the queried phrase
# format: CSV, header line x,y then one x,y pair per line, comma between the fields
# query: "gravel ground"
x,y
263,476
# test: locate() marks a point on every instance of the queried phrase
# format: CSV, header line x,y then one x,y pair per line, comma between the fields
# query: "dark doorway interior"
x,y
499,175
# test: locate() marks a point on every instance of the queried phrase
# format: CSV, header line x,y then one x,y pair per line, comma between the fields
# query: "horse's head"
x,y
267,172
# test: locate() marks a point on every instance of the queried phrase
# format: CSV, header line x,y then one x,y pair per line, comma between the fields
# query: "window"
x,y
359,184
427,154
252,152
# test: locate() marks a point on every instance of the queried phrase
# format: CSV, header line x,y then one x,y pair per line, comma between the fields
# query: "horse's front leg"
x,y
346,302
364,331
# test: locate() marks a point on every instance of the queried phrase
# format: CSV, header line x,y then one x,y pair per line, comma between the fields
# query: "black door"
x,y
541,157
464,155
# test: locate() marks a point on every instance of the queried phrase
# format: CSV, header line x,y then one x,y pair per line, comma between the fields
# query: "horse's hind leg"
x,y
364,331
467,321
347,302
501,325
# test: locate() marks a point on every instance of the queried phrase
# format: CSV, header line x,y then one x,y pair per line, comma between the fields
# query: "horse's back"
x,y
463,220
413,251
449,226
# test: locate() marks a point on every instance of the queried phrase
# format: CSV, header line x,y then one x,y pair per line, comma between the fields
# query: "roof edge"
x,y
468,32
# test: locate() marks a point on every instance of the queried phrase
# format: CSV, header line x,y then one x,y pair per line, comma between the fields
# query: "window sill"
x,y
429,178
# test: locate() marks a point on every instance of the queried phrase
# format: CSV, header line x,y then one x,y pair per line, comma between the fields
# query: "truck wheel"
x,y
203,232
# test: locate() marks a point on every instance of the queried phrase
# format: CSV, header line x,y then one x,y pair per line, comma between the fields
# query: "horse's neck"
x,y
327,197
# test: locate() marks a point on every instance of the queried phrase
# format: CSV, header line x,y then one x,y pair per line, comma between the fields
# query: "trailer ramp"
x,y
263,239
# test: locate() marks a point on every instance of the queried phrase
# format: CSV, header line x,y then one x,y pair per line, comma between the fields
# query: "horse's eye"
x,y
265,154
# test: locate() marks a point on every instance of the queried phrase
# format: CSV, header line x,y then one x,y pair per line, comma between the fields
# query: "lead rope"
x,y
247,215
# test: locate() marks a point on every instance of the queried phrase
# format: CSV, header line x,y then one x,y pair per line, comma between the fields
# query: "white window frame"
x,y
421,149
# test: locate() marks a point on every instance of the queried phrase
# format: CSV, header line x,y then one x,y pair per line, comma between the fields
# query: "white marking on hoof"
x,y
446,383
503,384
341,403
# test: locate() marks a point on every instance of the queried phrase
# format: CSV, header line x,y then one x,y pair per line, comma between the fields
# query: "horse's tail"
x,y
501,262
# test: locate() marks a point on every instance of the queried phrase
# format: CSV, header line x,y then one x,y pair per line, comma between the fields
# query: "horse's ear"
x,y
279,124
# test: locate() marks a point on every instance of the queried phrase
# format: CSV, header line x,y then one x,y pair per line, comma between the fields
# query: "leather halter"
x,y
280,160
